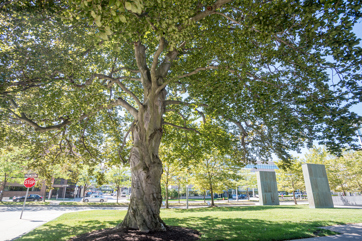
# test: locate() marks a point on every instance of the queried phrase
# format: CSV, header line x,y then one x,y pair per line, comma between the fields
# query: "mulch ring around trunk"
x,y
173,233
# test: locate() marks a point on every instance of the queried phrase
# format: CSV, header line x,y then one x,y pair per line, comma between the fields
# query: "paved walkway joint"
x,y
347,232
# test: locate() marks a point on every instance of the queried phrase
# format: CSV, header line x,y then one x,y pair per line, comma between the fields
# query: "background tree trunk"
x,y
178,193
204,196
295,200
2,192
166,194
84,191
118,191
212,195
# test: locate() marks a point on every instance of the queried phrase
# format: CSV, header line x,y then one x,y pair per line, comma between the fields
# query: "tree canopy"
x,y
79,74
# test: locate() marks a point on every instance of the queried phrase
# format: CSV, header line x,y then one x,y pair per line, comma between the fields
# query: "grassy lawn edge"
x,y
259,223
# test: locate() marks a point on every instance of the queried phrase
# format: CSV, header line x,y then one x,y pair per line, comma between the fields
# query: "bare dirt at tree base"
x,y
173,233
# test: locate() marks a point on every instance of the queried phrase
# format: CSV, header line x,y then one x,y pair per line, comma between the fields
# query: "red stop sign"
x,y
29,182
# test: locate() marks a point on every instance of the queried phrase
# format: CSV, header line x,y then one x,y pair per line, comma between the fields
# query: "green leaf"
x,y
98,22
108,30
123,19
128,6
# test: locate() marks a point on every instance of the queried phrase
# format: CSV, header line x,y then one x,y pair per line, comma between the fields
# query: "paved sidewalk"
x,y
12,227
347,233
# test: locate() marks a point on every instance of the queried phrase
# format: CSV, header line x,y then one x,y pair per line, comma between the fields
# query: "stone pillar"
x,y
316,183
267,188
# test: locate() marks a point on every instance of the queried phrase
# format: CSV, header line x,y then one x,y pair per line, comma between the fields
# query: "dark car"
x,y
241,196
31,197
88,194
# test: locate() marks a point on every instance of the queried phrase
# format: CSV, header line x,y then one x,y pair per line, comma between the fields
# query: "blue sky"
x,y
357,108
358,31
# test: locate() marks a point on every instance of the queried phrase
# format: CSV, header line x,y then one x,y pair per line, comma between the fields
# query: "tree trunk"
x,y
247,191
178,193
359,186
212,195
2,193
166,194
344,192
204,196
295,200
84,190
146,167
118,191
50,193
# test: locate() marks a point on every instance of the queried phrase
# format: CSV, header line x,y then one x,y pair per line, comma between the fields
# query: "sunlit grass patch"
x,y
226,223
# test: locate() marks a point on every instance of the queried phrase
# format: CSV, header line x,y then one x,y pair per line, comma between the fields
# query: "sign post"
x,y
28,183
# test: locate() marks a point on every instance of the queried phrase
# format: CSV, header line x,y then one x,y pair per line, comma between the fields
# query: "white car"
x,y
95,198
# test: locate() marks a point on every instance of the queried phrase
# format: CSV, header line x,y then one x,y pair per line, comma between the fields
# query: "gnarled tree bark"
x,y
146,166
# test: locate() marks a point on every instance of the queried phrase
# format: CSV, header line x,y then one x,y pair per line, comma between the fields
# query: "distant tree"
x,y
86,177
171,166
200,183
353,162
290,178
118,176
344,172
13,162
215,172
247,179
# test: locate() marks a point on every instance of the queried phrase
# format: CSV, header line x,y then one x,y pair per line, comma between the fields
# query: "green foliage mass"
x,y
255,71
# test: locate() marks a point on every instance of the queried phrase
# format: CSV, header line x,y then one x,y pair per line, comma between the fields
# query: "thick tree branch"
x,y
140,55
127,106
124,142
185,75
155,60
181,127
128,69
38,128
65,122
166,63
125,89
209,10
177,102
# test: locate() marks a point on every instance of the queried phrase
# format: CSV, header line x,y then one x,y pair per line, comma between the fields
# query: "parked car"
x,y
88,194
298,194
123,194
31,197
95,198
241,196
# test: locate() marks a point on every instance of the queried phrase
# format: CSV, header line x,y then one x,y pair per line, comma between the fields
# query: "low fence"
x,y
347,200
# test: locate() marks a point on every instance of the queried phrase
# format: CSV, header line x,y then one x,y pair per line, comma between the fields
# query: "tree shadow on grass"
x,y
232,209
63,231
213,228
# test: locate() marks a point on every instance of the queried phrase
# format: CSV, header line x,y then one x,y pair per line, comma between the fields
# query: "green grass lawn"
x,y
227,223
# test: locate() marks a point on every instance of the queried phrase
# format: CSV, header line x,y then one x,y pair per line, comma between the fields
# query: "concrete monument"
x,y
316,183
267,188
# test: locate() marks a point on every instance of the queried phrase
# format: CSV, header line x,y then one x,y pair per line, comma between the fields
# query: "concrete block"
x,y
347,201
267,188
316,183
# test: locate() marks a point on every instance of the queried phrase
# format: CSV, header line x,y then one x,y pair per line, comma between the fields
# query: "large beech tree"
x,y
81,73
